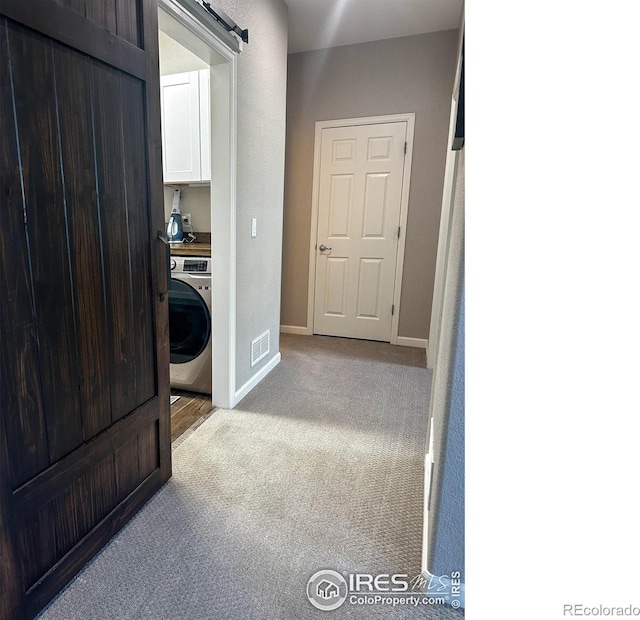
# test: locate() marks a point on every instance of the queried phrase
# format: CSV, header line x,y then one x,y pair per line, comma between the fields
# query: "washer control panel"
x,y
195,265
191,264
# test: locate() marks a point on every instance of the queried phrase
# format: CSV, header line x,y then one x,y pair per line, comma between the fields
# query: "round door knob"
x,y
323,248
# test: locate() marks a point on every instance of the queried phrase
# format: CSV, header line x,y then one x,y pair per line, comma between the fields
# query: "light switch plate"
x,y
254,227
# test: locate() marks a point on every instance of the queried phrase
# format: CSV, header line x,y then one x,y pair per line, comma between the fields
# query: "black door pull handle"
x,y
164,240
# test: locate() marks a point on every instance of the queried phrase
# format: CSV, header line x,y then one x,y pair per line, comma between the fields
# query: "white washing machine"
x,y
190,323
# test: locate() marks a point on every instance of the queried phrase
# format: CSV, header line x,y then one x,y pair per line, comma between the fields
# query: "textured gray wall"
x,y
407,74
262,86
174,58
446,552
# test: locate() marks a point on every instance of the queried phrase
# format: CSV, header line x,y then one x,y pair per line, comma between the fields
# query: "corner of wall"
x,y
445,532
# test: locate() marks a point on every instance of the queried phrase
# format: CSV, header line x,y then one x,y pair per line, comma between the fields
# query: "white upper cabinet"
x,y
186,135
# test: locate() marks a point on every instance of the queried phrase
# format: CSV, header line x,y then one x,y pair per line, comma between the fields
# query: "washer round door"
x,y
189,322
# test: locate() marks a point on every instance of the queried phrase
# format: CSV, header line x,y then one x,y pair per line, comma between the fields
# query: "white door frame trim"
x,y
410,119
223,192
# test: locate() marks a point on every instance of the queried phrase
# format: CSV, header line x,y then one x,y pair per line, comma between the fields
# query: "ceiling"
x,y
316,24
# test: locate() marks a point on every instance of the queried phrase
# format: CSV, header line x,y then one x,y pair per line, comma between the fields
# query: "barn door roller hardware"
x,y
227,22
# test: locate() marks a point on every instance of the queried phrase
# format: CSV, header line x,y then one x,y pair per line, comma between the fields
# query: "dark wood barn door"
x,y
84,375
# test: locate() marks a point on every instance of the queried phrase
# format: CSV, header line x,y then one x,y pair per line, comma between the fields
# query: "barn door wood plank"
x,y
46,221
135,175
71,28
107,110
149,12
73,90
23,413
128,21
102,13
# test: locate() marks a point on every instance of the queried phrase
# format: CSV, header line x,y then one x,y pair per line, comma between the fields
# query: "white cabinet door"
x,y
205,123
180,101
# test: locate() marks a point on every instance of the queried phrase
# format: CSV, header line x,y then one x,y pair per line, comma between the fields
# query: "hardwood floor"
x,y
190,410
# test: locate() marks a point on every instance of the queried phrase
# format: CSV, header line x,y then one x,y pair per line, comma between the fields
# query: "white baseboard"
x,y
259,376
420,343
403,341
294,329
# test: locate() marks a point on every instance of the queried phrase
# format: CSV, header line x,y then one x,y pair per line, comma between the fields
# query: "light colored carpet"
x,y
319,467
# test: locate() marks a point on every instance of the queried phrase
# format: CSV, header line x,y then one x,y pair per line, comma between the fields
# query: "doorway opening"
x,y
192,44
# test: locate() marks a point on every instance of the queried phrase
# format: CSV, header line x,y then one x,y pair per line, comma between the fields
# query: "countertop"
x,y
191,249
201,247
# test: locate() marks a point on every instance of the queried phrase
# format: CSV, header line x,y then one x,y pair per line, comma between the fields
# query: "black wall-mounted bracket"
x,y
227,22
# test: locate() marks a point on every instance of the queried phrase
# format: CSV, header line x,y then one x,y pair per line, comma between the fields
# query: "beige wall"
x,y
408,74
195,200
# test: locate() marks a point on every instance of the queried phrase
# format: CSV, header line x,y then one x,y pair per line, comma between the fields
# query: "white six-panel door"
x,y
360,191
